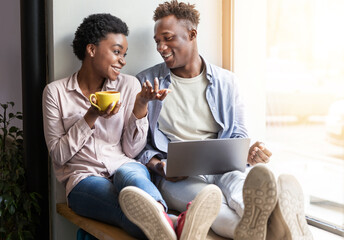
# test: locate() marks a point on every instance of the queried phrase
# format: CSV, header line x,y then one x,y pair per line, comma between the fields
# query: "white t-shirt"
x,y
185,114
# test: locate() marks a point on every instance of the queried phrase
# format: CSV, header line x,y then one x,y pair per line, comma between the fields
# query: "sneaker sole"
x,y
144,211
290,209
260,198
202,213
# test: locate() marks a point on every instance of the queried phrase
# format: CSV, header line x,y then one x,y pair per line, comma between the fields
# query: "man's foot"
x,y
196,221
288,220
145,212
260,197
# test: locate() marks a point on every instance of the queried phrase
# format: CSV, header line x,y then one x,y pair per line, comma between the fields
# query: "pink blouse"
x,y
77,151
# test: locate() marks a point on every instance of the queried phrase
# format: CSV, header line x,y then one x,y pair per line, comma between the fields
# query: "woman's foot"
x,y
146,213
194,223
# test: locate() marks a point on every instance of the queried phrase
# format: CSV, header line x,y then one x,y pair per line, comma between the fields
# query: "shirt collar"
x,y
112,85
73,85
207,68
166,72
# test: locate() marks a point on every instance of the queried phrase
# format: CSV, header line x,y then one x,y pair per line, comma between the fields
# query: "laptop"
x,y
211,156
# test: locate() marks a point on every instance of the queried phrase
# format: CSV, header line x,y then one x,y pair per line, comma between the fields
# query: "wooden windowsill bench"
x,y
104,231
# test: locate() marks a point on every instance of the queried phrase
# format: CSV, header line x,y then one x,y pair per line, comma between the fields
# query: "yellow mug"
x,y
104,99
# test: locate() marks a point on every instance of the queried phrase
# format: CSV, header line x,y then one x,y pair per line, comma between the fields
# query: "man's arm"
x,y
150,152
151,157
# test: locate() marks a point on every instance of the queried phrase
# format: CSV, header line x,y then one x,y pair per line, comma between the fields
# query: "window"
x,y
305,101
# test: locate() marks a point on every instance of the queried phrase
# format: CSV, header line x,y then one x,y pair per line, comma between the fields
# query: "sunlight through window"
x,y
305,100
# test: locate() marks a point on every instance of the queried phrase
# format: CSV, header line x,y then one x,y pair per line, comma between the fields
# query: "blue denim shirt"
x,y
224,101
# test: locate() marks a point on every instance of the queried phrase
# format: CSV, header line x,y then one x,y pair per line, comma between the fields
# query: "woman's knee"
x,y
129,173
92,193
132,168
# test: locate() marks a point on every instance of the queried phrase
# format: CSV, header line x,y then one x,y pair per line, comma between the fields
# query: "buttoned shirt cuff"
x,y
135,123
147,155
84,128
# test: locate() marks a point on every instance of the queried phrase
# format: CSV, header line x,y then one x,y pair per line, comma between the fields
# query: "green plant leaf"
x,y
12,210
9,236
6,187
16,191
35,195
6,201
19,209
20,171
27,235
13,129
12,136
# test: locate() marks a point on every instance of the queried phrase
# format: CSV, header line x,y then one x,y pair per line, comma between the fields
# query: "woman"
x,y
92,150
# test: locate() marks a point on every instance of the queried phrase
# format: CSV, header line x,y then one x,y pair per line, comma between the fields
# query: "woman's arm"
x,y
135,132
62,145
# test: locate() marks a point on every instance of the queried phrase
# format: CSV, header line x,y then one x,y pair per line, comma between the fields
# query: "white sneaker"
x,y
195,222
288,220
260,197
145,212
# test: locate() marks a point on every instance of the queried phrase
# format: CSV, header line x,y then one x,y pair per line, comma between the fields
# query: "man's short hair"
x,y
182,11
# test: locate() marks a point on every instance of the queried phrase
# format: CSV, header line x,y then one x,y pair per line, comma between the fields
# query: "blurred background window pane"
x,y
305,100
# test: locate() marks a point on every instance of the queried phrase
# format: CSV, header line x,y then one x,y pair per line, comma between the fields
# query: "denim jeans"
x,y
97,197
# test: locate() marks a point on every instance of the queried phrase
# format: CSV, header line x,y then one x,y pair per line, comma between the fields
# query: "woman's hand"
x,y
93,113
147,94
258,153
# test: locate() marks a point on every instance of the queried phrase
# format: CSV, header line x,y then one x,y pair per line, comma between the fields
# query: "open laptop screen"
x,y
213,156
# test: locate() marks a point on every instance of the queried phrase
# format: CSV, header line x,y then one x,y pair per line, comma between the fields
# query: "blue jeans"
x,y
97,197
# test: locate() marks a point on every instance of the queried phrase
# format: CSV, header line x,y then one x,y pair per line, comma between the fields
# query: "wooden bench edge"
x,y
104,231
98,229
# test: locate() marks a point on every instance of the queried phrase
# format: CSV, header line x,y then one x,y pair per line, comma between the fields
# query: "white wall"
x,y
138,15
67,15
249,60
10,55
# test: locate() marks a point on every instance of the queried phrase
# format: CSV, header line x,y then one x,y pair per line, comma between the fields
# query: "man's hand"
x,y
157,166
258,153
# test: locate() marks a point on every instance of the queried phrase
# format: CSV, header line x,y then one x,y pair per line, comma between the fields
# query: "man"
x,y
205,103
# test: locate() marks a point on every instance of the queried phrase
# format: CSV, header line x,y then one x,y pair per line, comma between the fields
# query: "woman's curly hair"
x,y
93,29
183,11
